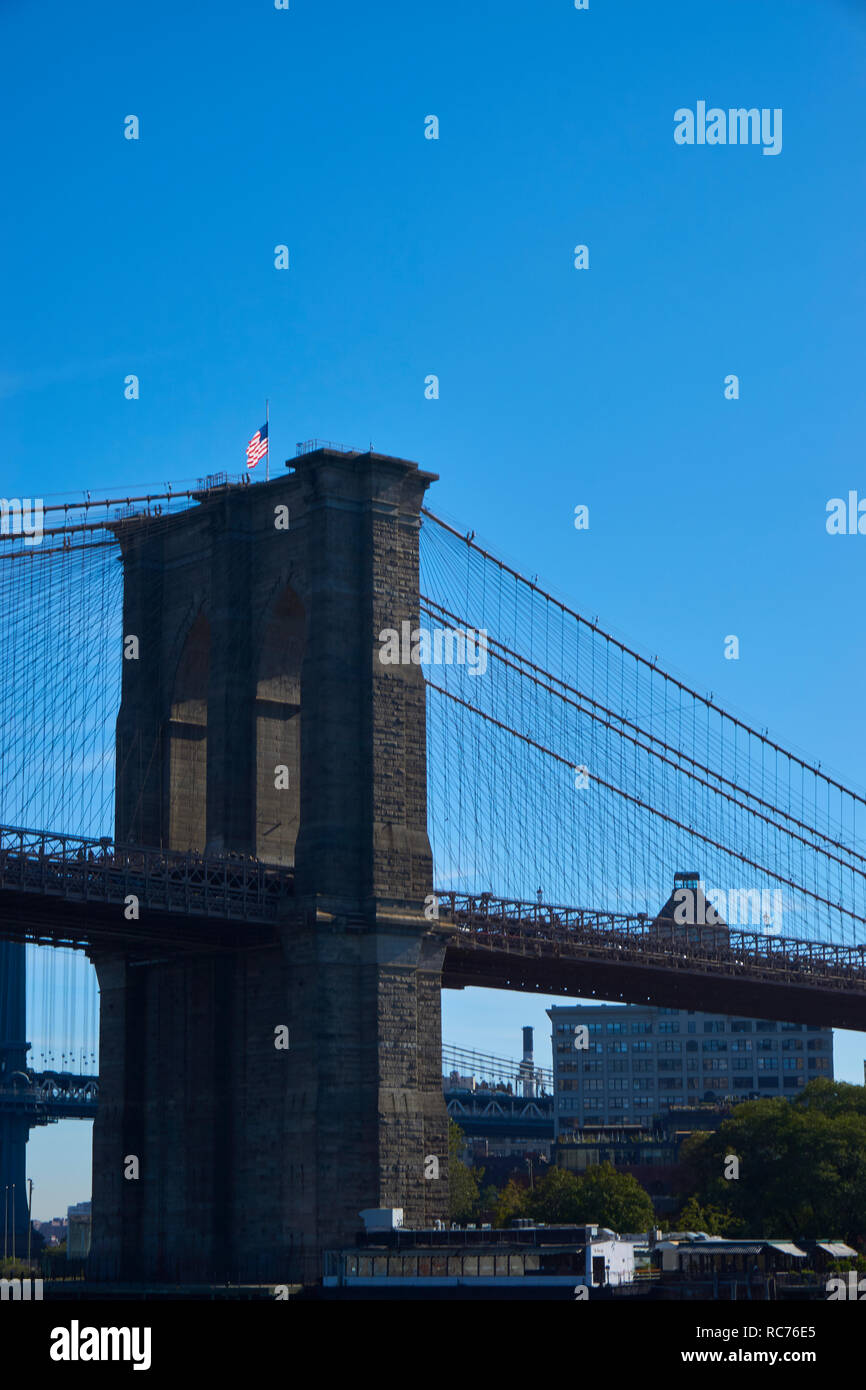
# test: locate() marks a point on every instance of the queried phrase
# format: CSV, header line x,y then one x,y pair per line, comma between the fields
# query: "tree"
x,y
555,1199
694,1217
802,1170
512,1203
602,1196
462,1181
615,1199
488,1199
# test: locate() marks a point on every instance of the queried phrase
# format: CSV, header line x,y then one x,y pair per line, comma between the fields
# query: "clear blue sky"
x,y
454,257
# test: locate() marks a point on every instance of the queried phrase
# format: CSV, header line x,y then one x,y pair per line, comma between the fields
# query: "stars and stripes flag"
x,y
257,447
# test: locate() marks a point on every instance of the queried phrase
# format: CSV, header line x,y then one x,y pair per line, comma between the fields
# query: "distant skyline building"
x,y
639,1060
78,1231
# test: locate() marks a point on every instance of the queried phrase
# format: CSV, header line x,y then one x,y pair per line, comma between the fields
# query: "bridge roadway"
x,y
41,1097
532,947
67,891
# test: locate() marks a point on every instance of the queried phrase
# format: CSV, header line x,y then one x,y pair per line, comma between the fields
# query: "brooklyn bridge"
x,y
277,844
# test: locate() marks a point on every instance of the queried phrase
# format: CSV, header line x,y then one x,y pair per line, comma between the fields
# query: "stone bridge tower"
x,y
257,719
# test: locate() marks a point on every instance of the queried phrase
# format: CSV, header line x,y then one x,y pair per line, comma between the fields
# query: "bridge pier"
x,y
251,1157
258,717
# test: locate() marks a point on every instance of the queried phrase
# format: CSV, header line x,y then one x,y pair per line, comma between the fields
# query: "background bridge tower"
x,y
14,1119
256,719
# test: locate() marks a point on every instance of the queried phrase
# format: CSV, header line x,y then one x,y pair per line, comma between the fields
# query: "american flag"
x,y
257,447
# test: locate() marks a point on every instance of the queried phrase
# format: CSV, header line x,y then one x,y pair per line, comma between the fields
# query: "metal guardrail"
x,y
43,1097
82,869
312,446
488,923
482,1065
47,1086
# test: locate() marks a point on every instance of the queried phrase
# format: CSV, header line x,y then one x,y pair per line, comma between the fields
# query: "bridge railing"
x,y
82,869
528,928
51,1085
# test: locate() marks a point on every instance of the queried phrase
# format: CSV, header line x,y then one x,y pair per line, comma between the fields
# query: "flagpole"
x,y
268,454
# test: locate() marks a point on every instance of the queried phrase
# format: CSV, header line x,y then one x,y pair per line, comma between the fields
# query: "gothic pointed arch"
x,y
186,783
278,729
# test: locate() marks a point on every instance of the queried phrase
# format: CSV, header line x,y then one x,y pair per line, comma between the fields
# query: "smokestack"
x,y
527,1067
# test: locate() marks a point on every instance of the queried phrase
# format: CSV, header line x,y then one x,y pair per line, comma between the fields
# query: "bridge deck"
x,y
64,890
533,947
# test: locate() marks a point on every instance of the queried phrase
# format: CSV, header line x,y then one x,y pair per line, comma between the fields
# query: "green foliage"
x,y
17,1269
694,1217
602,1196
488,1198
512,1202
462,1181
555,1199
802,1165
